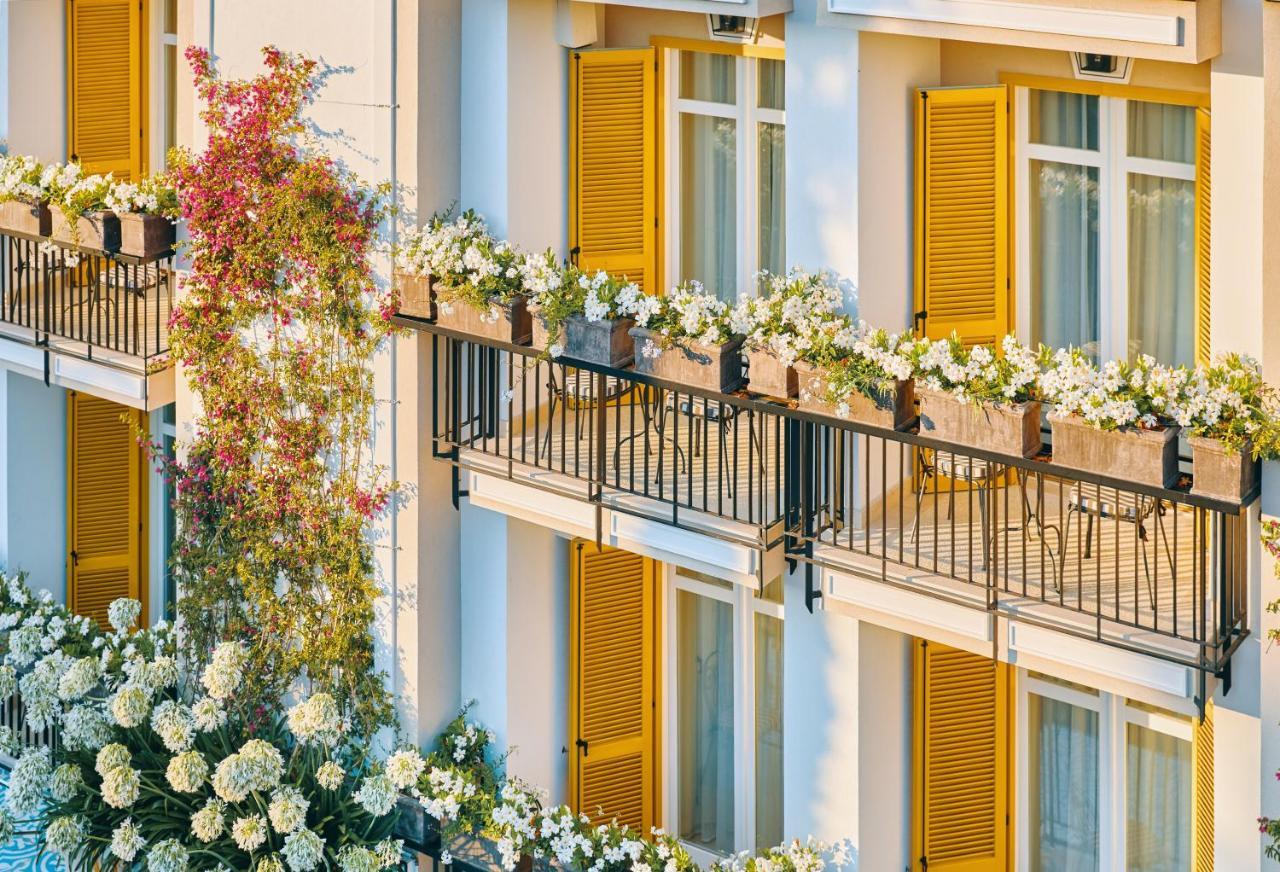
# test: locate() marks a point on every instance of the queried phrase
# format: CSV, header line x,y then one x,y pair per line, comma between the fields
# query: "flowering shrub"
x,y
1143,394
1230,402
978,374
792,314
860,359
458,781
282,313
687,312
22,179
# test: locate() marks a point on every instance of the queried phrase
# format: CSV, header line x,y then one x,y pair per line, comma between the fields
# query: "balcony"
x,y
888,522
1184,31
87,320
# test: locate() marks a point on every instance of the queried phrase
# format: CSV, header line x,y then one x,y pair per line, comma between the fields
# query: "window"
x,y
726,170
1106,225
1107,781
169,88
725,756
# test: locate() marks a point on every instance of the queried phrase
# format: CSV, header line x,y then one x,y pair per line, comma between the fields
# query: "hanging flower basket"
x,y
31,219
1005,428
1147,457
1220,472
699,365
417,295
146,236
96,230
768,375
505,322
892,408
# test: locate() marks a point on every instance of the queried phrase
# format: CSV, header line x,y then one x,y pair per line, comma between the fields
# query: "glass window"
x,y
707,76
709,202
704,684
1162,273
170,16
1158,808
772,199
1064,255
1062,748
170,533
1067,120
770,85
1162,132
768,733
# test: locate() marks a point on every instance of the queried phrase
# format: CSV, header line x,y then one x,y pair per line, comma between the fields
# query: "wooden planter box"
x,y
417,295
1219,473
1005,428
711,367
513,325
767,375
891,409
1147,457
607,342
19,217
146,236
96,230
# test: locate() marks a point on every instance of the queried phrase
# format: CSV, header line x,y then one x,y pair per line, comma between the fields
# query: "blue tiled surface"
x,y
19,855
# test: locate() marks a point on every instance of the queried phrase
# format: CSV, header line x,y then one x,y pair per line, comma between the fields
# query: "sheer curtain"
x,y
704,684
771,167
1158,814
1062,785
709,175
768,736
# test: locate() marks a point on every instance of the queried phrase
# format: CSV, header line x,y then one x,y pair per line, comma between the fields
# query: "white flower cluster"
x,y
1115,394
977,373
316,721
20,179
791,314
439,248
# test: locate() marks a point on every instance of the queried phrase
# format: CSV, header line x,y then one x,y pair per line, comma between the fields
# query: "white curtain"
x,y
705,712
772,197
709,176
1158,787
1064,245
768,731
1063,786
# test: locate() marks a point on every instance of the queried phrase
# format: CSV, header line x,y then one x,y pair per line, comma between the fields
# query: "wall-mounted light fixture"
x,y
732,28
1101,67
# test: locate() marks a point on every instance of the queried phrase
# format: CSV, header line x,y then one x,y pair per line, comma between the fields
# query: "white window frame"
x,y
746,605
158,91
746,115
157,511
1114,715
1114,165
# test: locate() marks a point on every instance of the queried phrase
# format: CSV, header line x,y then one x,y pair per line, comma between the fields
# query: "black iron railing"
x,y
90,303
1149,569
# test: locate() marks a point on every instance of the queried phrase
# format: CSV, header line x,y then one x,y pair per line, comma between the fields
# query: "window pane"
x,y
1069,120
170,98
709,203
1064,255
704,684
770,85
706,76
1158,791
170,532
1062,749
768,731
1162,132
772,197
1162,283
170,16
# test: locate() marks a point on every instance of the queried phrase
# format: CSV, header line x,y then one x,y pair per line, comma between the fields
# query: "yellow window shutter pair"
x,y
960,784
613,685
106,91
106,506
1202,793
613,158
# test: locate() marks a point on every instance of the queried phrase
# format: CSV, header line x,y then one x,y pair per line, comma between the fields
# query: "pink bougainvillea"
x,y
276,333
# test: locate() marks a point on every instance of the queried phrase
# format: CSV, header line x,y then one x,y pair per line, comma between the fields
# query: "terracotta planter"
x,y
417,295
711,367
513,324
1219,473
146,236
1005,428
96,230
891,409
19,217
1147,457
767,375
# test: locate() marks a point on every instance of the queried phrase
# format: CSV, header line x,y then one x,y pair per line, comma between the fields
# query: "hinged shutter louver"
x,y
613,688
1204,202
961,749
105,116
105,535
1202,793
613,163
961,224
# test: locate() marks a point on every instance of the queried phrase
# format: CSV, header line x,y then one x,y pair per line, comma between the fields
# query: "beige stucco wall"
x,y
632,26
971,63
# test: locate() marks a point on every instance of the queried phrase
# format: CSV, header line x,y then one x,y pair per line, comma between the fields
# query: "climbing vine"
x,y
277,493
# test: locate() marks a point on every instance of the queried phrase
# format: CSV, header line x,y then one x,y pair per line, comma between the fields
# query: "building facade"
x,y
715,613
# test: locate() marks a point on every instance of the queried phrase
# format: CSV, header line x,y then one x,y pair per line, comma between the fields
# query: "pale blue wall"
x,y
36,485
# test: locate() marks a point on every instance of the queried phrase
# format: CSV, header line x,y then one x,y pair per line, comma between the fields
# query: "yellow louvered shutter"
x,y
1202,795
105,86
962,213
1204,202
961,751
105,520
613,163
613,699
